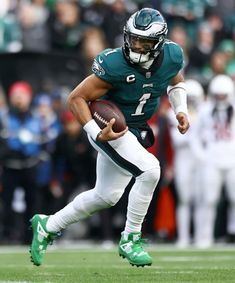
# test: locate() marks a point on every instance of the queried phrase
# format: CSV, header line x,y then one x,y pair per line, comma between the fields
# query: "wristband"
x,y
99,134
92,129
178,97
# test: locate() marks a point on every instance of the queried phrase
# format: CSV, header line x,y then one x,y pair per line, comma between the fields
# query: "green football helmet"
x,y
147,26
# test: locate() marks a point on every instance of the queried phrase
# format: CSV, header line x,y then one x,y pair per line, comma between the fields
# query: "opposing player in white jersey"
x,y
213,142
187,181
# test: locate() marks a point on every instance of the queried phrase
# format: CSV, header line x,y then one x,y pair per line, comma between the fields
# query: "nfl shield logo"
x,y
148,75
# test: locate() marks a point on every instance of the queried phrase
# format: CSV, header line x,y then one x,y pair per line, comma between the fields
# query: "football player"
x,y
134,77
212,141
187,181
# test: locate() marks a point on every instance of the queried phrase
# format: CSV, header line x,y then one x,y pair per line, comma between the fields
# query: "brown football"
x,y
103,111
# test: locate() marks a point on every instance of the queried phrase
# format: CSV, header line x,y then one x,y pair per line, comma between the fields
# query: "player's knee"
x,y
151,175
209,200
88,203
184,199
111,198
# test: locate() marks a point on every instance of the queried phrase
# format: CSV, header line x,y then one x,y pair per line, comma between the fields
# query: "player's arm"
x,y
178,98
91,89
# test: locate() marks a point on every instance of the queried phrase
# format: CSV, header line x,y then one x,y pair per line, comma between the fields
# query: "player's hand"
x,y
107,134
183,121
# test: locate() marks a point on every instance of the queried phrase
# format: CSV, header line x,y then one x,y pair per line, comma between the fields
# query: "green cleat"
x,y
41,238
132,249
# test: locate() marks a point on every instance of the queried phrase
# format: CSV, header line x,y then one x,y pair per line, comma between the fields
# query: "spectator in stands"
x,y
227,47
114,23
20,148
188,13
3,104
229,24
93,42
216,66
66,27
32,20
216,23
202,49
179,35
95,14
51,128
10,40
223,8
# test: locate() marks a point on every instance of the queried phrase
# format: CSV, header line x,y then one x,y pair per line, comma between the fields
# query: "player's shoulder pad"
x,y
108,61
175,51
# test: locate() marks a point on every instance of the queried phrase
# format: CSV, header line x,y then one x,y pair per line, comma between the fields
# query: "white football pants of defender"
x,y
117,162
213,181
188,187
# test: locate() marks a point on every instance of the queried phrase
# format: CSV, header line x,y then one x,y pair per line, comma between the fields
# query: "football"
x,y
103,111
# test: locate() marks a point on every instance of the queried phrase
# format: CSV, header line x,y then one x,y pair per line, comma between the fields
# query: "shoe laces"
x,y
140,243
52,237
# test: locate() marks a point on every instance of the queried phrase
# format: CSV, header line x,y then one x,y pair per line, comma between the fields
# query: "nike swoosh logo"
x,y
126,247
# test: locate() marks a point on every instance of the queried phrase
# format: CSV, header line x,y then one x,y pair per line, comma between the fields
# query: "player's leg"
x,y
212,185
134,159
110,184
127,158
137,161
146,179
198,213
130,245
184,188
230,185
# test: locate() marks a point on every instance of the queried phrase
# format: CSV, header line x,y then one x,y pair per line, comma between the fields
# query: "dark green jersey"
x,y
135,90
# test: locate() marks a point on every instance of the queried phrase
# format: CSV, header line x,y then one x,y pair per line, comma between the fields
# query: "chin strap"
x,y
137,58
147,65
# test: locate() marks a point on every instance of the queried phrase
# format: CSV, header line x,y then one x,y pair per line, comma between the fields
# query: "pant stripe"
x,y
118,159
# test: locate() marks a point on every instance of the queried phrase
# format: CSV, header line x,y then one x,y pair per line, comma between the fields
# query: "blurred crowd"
x,y
46,49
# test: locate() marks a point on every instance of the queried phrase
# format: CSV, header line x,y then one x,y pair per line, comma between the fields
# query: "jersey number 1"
x,y
142,102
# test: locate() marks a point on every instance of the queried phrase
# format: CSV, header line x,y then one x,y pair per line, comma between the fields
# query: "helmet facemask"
x,y
150,47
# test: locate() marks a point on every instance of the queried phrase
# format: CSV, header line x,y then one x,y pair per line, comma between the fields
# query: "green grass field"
x,y
100,266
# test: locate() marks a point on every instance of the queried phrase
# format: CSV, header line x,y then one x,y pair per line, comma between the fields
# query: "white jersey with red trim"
x,y
213,135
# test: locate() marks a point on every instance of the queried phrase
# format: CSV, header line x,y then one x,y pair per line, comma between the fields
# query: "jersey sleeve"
x,y
105,66
176,55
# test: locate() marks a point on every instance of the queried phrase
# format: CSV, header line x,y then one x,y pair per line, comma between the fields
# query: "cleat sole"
x,y
134,264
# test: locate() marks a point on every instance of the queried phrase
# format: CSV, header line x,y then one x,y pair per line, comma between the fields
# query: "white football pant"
x,y
213,181
117,162
188,187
